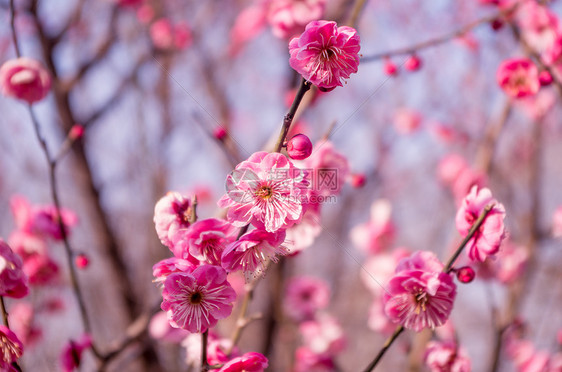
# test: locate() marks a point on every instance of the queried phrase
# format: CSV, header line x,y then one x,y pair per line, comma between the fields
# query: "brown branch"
x,y
288,119
487,148
441,39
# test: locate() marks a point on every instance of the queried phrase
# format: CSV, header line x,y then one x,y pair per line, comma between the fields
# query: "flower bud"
x,y
25,79
299,147
82,261
390,67
220,133
76,132
465,274
545,78
358,180
413,63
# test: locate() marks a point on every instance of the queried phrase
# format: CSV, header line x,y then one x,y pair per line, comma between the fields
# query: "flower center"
x,y
421,300
196,298
264,192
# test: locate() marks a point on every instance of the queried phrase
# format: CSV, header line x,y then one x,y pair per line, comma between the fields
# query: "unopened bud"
x,y
299,147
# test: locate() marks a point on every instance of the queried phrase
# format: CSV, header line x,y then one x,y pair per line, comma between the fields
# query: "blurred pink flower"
x,y
323,334
518,77
41,220
450,168
71,355
251,252
510,263
196,301
205,240
487,239
289,17
446,356
413,63
248,25
160,329
40,269
145,13
376,234
419,298
24,243
11,348
390,67
538,24
406,121
557,222
378,321
553,55
380,267
330,169
265,190
24,78
171,216
307,360
162,34
325,54
467,179
249,362
303,234
420,260
13,281
304,296
162,269
526,358
22,322
182,36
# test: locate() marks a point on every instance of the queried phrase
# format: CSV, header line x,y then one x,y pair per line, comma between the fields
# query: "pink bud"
x,y
390,67
545,78
25,79
299,147
358,180
497,24
82,261
413,63
465,274
76,132
220,133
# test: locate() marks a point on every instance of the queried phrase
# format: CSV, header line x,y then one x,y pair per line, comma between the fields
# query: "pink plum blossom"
x,y
40,269
307,360
304,296
380,267
511,263
13,281
171,216
323,334
417,296
539,25
11,348
22,322
252,251
446,356
205,240
557,223
527,359
71,355
162,269
248,25
450,168
303,234
330,168
518,77
216,347
41,220
467,179
378,321
162,34
196,301
407,121
289,17
325,54
160,329
249,362
487,239
24,78
265,190
376,234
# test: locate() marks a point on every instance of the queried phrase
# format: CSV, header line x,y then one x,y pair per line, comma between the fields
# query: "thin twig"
x,y
356,12
441,39
13,27
4,312
288,119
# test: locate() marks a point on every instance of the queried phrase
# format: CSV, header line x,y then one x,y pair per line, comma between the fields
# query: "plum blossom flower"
x,y
325,54
307,360
446,356
417,296
380,267
205,240
22,322
378,321
302,235
539,25
162,269
288,17
24,78
250,362
247,26
41,220
375,235
265,190
160,329
171,215
251,252
11,348
71,355
304,296
407,121
487,239
323,334
13,281
518,77
196,301
450,168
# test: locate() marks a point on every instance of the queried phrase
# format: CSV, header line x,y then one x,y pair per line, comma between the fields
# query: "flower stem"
x,y
288,119
204,362
4,312
385,347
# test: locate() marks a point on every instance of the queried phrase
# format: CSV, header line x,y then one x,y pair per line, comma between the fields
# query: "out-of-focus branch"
x,y
441,39
358,6
100,53
74,18
485,152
